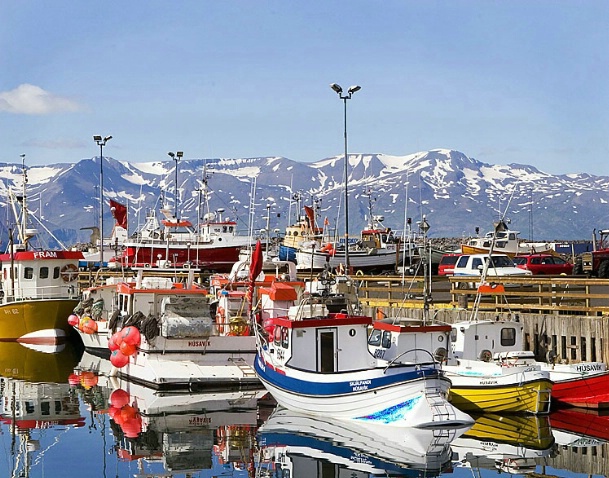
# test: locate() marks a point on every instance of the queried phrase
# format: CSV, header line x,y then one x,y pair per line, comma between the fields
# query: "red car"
x,y
544,264
447,264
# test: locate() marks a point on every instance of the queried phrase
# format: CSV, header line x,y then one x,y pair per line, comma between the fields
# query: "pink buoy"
x,y
127,349
119,398
73,320
74,379
131,335
119,359
112,344
89,327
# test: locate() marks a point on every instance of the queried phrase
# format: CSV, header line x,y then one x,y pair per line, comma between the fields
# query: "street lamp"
x,y
176,157
339,92
101,142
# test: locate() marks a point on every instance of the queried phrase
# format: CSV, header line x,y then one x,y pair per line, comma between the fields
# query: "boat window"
x,y
512,236
29,408
375,337
44,272
230,229
45,408
508,337
223,228
386,339
284,337
277,335
28,272
56,273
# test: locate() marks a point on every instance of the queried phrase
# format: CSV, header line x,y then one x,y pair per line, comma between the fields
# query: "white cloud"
x,y
33,100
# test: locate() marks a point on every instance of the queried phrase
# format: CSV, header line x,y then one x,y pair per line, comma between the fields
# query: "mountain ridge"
x,y
455,192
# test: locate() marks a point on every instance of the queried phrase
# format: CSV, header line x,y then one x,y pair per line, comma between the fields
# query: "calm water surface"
x,y
63,416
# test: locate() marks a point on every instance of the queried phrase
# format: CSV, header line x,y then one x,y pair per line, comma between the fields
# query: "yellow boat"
x,y
486,387
39,287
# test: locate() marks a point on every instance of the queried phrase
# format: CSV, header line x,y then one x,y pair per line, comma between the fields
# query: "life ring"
x,y
69,272
221,319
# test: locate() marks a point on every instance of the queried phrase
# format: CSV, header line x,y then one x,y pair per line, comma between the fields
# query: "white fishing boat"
x,y
319,362
292,443
504,240
377,249
178,343
39,285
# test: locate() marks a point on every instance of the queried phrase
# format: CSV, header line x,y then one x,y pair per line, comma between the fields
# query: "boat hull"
x,y
501,396
192,364
358,260
584,391
36,321
389,396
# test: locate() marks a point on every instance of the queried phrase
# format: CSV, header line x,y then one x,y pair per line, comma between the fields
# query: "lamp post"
x,y
176,157
339,92
101,142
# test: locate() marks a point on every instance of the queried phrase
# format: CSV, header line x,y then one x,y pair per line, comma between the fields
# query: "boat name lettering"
x,y
360,458
45,254
588,367
379,353
199,421
11,311
198,343
488,382
360,385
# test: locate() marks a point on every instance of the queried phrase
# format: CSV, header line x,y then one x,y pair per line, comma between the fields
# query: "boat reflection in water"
x,y
171,433
32,402
298,445
508,443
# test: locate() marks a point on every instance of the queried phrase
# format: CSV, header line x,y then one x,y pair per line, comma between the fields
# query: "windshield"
x,y
501,261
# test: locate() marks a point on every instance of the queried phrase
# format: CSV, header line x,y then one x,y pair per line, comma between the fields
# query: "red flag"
x,y
119,213
256,262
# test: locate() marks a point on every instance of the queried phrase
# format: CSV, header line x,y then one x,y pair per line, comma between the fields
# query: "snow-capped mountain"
x,y
455,193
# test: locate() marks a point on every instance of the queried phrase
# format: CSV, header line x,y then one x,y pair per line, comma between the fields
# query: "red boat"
x,y
585,391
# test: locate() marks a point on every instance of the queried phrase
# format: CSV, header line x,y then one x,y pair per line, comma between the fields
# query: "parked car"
x,y
547,264
447,263
501,265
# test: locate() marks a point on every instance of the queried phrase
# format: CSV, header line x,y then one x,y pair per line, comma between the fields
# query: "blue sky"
x,y
501,81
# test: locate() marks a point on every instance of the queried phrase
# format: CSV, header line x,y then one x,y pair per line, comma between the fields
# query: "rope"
x,y
150,327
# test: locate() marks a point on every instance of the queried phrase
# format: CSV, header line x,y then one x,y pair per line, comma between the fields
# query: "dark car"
x,y
447,264
544,264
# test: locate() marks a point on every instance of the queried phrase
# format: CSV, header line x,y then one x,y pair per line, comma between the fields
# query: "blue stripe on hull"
x,y
314,388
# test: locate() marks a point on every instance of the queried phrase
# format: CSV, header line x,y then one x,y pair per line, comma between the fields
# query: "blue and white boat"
x,y
317,360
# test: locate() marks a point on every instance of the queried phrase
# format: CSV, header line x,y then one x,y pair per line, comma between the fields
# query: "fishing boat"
x,y
39,285
305,229
317,360
173,242
483,384
292,443
583,384
504,240
175,342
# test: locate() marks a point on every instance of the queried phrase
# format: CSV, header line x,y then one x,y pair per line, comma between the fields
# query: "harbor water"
x,y
63,415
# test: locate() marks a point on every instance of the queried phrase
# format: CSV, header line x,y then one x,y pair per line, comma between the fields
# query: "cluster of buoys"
x,y
85,379
85,324
124,414
123,344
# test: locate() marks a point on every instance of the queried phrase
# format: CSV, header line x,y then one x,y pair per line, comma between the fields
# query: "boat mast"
x,y
24,212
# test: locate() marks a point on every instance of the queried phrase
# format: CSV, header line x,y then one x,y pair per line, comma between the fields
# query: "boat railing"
x,y
394,360
43,292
